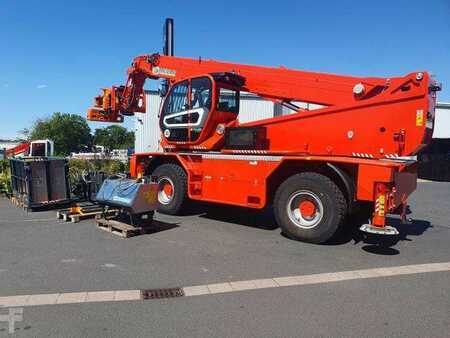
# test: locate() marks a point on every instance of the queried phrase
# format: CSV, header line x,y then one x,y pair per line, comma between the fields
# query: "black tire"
x,y
332,200
178,176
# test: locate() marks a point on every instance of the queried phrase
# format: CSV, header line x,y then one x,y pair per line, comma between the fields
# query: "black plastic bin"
x,y
40,182
434,161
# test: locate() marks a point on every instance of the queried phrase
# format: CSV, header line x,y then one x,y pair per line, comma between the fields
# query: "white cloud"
x,y
41,86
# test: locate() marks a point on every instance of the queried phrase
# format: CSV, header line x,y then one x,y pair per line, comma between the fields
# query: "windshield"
x,y
201,93
183,116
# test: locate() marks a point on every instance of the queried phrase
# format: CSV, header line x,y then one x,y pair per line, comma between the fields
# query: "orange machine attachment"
x,y
116,102
102,110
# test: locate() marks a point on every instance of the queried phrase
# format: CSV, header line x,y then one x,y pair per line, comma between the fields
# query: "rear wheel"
x,y
309,207
172,191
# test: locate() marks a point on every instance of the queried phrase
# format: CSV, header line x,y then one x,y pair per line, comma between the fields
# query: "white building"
x,y
442,121
252,108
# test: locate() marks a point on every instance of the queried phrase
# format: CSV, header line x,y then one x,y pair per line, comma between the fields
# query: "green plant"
x,y
114,167
77,167
5,178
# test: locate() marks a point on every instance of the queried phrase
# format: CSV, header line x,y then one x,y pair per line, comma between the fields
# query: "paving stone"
x,y
71,297
220,288
265,283
243,285
10,301
196,290
43,299
100,296
127,295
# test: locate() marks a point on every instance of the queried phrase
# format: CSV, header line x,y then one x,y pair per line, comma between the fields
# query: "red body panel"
x,y
243,179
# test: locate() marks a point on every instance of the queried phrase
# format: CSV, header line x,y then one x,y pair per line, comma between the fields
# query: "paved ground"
x,y
42,255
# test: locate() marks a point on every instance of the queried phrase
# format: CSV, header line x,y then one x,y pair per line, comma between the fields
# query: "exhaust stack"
x,y
168,37
167,50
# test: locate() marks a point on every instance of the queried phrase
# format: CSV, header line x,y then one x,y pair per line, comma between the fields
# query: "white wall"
x,y
442,121
147,126
253,108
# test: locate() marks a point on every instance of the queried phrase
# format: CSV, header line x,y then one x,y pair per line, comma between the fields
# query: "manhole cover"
x,y
162,293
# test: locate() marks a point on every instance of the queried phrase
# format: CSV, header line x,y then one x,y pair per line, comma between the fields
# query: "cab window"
x,y
178,99
228,101
201,93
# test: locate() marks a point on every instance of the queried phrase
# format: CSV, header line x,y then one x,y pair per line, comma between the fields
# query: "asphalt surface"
x,y
217,244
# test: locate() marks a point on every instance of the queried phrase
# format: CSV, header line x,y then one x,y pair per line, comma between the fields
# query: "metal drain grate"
x,y
162,293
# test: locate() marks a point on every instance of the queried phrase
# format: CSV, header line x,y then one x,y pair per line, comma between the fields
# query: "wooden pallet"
x,y
15,201
18,202
79,208
21,203
62,213
76,216
121,229
66,214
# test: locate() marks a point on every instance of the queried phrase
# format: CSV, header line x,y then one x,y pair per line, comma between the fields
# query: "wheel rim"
x,y
305,209
165,190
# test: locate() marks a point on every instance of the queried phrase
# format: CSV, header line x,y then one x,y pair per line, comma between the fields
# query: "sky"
x,y
56,55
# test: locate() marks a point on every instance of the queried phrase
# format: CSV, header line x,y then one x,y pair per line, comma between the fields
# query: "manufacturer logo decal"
x,y
164,71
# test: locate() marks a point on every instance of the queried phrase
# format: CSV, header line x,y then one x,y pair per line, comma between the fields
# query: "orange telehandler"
x,y
356,154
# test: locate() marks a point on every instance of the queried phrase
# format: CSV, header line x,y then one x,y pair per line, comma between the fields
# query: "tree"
x,y
69,132
114,137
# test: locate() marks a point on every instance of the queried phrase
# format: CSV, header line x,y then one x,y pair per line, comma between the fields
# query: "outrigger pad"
x,y
386,230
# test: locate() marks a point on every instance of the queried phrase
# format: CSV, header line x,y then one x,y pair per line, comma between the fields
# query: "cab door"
x,y
186,109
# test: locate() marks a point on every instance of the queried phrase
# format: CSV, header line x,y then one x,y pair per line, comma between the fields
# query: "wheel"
x,y
172,192
309,207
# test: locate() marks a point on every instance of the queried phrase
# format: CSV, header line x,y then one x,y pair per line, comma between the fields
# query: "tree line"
x,y
71,133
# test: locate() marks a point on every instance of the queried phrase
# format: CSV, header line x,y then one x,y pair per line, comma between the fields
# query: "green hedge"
x,y
5,178
110,167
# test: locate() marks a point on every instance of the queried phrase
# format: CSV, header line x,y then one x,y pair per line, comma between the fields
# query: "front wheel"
x,y
172,188
309,207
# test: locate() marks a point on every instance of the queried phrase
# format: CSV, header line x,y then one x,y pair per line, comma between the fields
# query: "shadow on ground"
x,y
159,226
384,245
264,220
261,219
380,244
